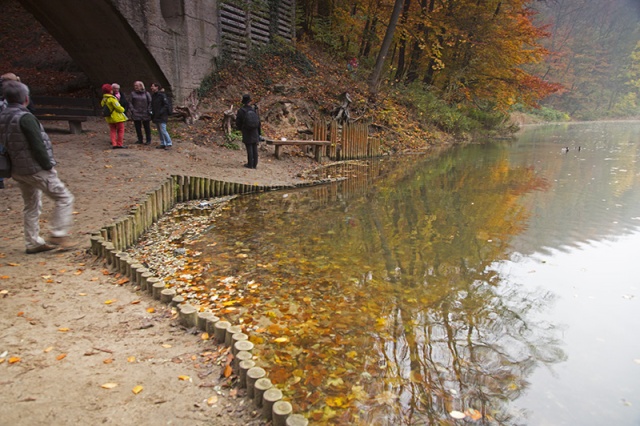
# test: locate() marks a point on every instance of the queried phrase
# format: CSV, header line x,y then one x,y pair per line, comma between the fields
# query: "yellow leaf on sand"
x,y
281,339
13,264
108,361
166,346
63,329
49,349
131,359
212,400
475,415
108,302
5,277
14,359
61,356
184,378
151,310
136,390
109,385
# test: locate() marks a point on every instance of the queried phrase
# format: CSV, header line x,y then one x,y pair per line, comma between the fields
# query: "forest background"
x,y
418,69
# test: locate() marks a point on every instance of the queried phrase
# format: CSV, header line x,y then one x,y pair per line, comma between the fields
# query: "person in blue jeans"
x,y
160,110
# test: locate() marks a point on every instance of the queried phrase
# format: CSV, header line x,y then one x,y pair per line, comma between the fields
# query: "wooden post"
x,y
260,387
244,367
281,411
254,374
188,315
269,398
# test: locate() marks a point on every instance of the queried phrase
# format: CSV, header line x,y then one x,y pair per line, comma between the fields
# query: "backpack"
x,y
251,119
169,104
106,111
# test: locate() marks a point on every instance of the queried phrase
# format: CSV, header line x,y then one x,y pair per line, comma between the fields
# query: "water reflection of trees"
x,y
385,293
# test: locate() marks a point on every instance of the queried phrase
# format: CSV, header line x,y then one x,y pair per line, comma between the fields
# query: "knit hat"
x,y
106,88
246,99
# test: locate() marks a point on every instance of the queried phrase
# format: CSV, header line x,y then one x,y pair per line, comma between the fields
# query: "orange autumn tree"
x,y
482,47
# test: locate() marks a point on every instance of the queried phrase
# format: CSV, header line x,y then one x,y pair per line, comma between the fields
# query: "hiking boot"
x,y
40,249
64,243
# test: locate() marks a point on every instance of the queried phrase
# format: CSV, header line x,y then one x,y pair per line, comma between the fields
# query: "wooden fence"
x,y
349,141
249,22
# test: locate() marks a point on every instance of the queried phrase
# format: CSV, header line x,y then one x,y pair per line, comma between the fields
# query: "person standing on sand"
x,y
248,122
32,161
160,109
141,111
116,119
115,87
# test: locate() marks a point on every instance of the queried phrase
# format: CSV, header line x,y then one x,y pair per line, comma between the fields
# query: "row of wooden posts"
x,y
266,397
349,141
111,242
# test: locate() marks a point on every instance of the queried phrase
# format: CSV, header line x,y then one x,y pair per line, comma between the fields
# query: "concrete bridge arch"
x,y
171,42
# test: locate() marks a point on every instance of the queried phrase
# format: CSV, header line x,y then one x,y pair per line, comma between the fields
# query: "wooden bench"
x,y
317,146
73,110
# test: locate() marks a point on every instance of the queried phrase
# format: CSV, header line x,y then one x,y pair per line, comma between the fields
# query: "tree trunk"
x,y
374,80
403,42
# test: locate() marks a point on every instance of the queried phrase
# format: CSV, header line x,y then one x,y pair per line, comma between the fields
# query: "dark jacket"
x,y
140,106
159,107
28,144
249,136
124,103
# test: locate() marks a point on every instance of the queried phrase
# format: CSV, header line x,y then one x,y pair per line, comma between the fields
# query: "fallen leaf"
x,y
131,359
151,310
212,400
475,415
205,336
82,294
13,264
184,378
109,385
228,371
135,302
108,361
166,346
108,302
63,329
5,277
20,313
49,349
61,357
14,359
281,340
457,414
136,390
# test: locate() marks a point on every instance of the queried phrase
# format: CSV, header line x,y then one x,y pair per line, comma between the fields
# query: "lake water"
x,y
495,282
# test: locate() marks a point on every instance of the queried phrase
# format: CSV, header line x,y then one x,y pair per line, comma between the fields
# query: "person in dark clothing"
x,y
32,167
160,109
248,122
141,111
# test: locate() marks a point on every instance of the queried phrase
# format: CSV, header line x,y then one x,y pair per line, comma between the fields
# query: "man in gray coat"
x,y
32,167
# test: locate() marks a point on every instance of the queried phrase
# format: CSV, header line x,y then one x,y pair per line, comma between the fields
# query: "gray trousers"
x,y
32,187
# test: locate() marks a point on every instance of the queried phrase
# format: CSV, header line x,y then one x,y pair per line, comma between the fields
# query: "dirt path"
x,y
67,328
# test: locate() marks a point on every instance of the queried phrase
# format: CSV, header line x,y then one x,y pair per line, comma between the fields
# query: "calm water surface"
x,y
498,282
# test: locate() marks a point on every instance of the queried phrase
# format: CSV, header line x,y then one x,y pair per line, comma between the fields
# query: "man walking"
x,y
248,122
32,161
